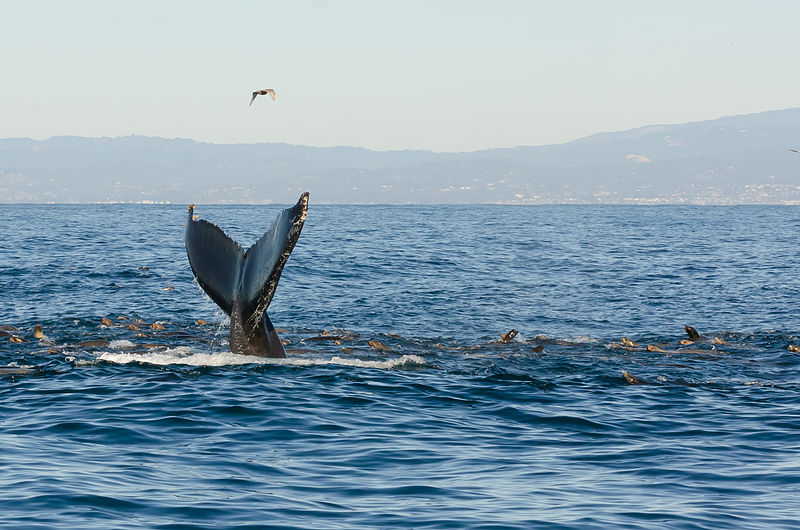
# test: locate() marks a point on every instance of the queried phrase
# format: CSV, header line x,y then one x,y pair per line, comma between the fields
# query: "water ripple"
x,y
108,425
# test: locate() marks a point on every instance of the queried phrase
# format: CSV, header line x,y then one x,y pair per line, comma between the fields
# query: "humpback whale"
x,y
241,282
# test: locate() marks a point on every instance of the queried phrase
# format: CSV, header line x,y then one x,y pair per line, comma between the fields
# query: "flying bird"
x,y
795,150
270,91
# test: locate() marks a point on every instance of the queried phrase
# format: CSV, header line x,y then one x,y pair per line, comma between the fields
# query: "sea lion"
x,y
632,379
625,341
508,337
241,282
96,343
321,338
693,334
794,348
14,370
375,344
40,336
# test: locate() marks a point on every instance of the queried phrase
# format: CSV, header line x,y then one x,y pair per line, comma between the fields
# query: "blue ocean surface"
x,y
148,421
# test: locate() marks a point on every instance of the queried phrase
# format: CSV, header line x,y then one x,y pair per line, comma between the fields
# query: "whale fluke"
x,y
241,282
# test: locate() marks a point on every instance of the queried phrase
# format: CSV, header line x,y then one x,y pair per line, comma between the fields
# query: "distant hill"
x,y
731,160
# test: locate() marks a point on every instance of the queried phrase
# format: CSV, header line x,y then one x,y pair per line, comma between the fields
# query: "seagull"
x,y
264,92
795,150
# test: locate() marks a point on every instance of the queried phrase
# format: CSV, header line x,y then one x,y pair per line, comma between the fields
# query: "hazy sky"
x,y
444,75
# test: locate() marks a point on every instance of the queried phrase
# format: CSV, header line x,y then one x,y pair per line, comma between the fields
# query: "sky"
x,y
440,75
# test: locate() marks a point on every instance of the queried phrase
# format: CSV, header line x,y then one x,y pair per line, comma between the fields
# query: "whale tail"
x,y
241,282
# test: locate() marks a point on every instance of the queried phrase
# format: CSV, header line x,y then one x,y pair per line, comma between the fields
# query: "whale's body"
x,y
241,282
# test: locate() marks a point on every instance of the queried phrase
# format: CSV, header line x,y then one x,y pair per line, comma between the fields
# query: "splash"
x,y
183,355
121,344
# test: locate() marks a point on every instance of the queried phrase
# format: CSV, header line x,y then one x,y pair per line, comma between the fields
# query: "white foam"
x,y
14,364
120,344
583,340
183,355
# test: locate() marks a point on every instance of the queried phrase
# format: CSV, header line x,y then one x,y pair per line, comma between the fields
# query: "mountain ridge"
x,y
743,159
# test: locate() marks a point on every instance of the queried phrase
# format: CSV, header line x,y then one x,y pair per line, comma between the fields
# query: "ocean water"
x,y
148,421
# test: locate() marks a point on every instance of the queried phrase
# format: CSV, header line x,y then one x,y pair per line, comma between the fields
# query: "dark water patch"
x,y
512,380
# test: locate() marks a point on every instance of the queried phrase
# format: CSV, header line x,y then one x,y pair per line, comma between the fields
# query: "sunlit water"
x,y
147,427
